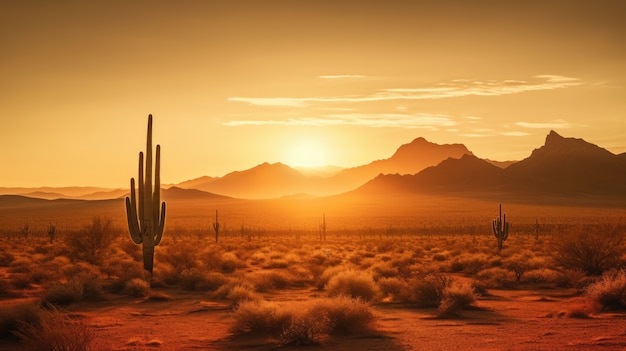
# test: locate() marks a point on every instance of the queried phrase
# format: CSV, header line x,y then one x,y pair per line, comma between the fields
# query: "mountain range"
x,y
563,168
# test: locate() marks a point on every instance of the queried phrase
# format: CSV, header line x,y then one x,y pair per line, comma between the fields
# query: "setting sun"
x,y
307,154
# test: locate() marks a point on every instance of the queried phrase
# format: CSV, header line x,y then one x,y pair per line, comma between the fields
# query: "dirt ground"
x,y
504,320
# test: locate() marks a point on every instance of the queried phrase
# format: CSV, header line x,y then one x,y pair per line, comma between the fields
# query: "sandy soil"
x,y
505,320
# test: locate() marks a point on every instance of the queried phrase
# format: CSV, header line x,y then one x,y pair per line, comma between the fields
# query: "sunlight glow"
x,y
307,154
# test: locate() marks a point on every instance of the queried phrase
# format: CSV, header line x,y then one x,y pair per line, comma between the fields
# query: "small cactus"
x,y
323,228
52,232
500,228
145,220
216,227
25,230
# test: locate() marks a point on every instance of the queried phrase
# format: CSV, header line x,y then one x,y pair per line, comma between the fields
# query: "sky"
x,y
232,84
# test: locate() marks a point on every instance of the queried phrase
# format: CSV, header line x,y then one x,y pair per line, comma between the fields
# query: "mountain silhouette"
x,y
278,180
565,168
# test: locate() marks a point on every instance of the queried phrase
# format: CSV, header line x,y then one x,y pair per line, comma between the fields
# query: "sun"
x,y
307,154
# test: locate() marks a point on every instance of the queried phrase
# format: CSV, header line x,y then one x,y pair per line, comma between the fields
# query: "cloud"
x,y
515,134
391,120
342,76
454,89
556,124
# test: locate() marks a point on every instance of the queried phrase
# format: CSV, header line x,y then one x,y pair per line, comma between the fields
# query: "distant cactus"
x,y
145,220
52,229
216,227
25,230
323,228
500,228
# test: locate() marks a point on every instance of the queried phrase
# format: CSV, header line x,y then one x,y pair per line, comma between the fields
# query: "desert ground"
x,y
423,274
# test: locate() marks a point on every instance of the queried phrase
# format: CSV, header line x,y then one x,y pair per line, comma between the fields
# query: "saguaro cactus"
x,y
323,228
216,227
52,229
500,228
145,220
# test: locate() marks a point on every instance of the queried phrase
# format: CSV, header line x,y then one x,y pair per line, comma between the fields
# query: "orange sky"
x,y
232,84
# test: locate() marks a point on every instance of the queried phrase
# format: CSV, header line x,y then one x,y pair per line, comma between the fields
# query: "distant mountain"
x,y
465,175
408,159
279,180
176,193
570,165
562,167
260,182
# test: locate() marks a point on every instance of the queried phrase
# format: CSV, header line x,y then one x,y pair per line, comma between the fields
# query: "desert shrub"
x,y
137,287
426,291
182,256
274,279
230,262
391,287
128,270
83,286
384,270
21,282
21,265
6,258
93,240
327,274
196,280
497,278
257,258
241,293
57,332
592,250
6,289
456,296
609,293
568,278
356,284
14,315
303,322
469,263
543,275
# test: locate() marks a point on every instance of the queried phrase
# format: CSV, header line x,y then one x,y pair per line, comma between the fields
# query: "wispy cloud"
x,y
556,124
456,88
515,134
342,76
392,120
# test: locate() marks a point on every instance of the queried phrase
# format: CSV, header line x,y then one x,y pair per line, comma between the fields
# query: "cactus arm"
x,y
156,199
159,229
133,227
140,209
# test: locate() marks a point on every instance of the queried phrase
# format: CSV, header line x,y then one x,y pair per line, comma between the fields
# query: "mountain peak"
x,y
553,138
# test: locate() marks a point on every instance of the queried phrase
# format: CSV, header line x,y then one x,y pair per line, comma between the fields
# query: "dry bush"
x,y
391,287
542,275
456,297
6,257
137,287
327,274
197,280
355,284
426,291
592,250
303,322
93,241
274,279
56,332
230,262
497,278
609,293
12,316
82,286
182,256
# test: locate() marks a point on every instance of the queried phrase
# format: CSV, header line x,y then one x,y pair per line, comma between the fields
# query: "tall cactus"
x,y
216,227
145,220
500,228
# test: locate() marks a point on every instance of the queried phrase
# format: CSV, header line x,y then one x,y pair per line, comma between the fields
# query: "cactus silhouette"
x,y
500,228
52,229
323,228
216,227
145,220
